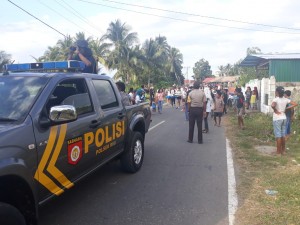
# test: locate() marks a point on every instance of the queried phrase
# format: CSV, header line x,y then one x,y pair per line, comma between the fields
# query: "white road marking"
x,y
232,196
156,125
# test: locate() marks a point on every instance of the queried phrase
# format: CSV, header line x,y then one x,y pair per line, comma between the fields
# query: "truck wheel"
x,y
10,215
132,158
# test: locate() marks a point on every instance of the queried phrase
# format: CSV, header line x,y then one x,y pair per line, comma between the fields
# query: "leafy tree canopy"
x,y
202,69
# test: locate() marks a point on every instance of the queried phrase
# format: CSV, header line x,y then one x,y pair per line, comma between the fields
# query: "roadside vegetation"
x,y
257,172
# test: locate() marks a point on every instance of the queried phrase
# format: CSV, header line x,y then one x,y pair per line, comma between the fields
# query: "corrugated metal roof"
x,y
256,59
278,56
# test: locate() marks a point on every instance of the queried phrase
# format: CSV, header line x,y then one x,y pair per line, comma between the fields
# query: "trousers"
x,y
195,116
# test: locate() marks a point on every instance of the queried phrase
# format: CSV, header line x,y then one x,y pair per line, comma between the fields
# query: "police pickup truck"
x,y
56,127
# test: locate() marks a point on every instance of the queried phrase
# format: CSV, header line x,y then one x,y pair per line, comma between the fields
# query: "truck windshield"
x,y
17,95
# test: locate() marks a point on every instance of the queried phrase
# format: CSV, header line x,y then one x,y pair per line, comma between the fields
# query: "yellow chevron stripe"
x,y
40,176
52,169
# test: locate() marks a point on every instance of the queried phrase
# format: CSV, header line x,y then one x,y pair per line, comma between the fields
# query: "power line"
x,y
62,16
77,14
37,18
197,15
190,21
88,22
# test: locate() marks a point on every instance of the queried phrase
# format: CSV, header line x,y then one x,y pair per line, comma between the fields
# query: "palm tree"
x,y
120,40
228,69
222,71
119,35
175,62
100,49
81,36
163,46
52,54
153,60
64,46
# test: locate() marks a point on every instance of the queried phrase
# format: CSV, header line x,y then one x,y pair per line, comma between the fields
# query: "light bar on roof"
x,y
44,66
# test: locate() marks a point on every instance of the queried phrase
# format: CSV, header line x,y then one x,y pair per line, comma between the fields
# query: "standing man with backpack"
x,y
240,107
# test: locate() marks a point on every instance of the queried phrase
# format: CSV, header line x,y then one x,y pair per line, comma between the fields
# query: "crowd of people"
x,y
198,103
200,100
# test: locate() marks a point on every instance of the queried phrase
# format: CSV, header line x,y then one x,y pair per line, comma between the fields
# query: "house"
x,y
227,81
284,67
188,83
283,70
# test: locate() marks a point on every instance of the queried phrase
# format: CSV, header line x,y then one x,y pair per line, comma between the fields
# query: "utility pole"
x,y
187,71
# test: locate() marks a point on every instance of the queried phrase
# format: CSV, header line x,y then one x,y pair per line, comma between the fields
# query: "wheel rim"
x,y
138,152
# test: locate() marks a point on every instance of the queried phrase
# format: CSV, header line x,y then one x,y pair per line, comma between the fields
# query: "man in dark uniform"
x,y
197,109
83,53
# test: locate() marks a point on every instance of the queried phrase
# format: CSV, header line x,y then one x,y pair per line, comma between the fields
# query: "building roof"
x,y
221,79
208,79
257,59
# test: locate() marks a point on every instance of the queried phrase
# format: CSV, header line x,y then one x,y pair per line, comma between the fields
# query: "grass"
x,y
257,172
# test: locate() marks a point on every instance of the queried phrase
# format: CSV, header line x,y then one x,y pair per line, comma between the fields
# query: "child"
x,y
219,108
253,100
248,94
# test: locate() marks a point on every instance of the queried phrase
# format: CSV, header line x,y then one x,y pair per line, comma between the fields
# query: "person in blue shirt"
x,y
83,53
240,105
289,112
141,93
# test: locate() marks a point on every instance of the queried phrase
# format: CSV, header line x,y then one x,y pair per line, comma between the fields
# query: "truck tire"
x,y
132,158
10,215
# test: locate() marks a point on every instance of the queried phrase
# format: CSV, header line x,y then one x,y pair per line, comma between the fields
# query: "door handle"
x,y
121,116
95,123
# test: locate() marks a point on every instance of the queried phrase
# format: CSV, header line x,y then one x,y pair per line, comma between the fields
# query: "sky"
x,y
219,31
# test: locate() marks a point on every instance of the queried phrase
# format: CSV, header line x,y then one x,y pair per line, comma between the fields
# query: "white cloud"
x,y
218,45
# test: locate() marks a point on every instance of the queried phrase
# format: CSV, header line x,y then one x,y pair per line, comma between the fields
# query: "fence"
x,y
266,89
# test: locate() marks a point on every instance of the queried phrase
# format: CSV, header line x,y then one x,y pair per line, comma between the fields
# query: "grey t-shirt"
x,y
197,98
125,98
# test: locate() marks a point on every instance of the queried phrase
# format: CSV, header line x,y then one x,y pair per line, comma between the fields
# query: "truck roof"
x,y
55,74
48,69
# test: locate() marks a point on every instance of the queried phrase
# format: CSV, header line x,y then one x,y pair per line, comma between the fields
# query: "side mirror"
x,y
62,114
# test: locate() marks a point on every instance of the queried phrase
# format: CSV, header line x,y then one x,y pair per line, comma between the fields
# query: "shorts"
x,y
279,128
240,111
218,114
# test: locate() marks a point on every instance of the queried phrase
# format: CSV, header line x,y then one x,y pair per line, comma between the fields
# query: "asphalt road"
x,y
180,183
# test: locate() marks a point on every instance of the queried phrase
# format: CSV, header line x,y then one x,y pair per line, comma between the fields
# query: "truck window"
x,y
72,92
17,95
106,94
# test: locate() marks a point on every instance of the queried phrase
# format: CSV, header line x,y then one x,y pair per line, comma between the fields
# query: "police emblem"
x,y
74,152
